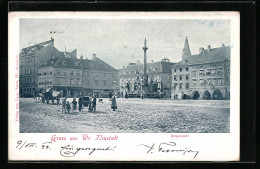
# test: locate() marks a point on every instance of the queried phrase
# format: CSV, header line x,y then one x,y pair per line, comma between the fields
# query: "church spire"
x,y
186,50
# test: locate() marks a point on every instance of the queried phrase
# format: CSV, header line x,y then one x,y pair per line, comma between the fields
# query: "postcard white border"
x,y
212,147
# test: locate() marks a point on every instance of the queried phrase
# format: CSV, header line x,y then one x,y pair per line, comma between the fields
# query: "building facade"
x,y
62,73
159,78
29,60
75,76
99,78
202,76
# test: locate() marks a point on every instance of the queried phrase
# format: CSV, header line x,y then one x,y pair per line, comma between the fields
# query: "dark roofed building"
x,y
77,76
202,76
29,60
62,74
99,78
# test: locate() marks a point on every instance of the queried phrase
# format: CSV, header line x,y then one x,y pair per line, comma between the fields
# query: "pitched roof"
x,y
214,55
63,62
154,67
96,64
36,47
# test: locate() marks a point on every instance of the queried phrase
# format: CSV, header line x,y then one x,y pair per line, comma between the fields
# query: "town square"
x,y
124,81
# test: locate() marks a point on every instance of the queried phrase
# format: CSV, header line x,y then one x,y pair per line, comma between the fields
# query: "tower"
x,y
145,48
186,50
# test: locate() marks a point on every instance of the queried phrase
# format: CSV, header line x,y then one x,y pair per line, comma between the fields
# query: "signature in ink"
x,y
168,148
70,151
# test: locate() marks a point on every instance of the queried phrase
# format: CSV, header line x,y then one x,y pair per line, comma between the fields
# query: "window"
x,y
187,85
76,63
96,75
187,77
174,86
228,69
180,77
201,72
64,62
96,82
180,86
87,74
105,83
194,82
50,73
220,71
175,77
220,81
71,81
58,73
65,73
202,81
71,73
104,75
50,82
39,74
180,69
78,73
187,69
174,69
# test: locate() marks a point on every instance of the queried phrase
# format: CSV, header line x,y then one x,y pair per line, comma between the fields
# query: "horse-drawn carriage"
x,y
50,95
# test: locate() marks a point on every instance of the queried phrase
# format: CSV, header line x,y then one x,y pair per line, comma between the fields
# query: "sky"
x,y
120,41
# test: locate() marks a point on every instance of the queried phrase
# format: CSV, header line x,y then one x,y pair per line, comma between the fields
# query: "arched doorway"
x,y
217,95
206,95
184,96
195,95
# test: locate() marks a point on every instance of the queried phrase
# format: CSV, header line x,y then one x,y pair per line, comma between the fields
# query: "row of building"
x,y
43,67
202,76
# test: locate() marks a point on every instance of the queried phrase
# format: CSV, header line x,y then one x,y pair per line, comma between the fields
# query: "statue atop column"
x,y
145,76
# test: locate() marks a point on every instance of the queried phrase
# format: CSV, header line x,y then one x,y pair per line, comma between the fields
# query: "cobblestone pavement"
x,y
132,115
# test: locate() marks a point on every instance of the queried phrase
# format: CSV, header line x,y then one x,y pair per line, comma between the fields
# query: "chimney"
x,y
201,50
223,45
94,56
152,61
81,57
209,48
123,67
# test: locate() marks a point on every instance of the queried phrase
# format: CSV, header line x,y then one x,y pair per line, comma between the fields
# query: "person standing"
x,y
64,107
94,103
113,104
74,102
90,104
80,103
68,107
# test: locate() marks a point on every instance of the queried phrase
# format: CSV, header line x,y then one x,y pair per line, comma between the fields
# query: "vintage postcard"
x,y
124,86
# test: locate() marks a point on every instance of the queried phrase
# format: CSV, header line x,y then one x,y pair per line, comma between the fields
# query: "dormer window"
x,y
76,63
64,62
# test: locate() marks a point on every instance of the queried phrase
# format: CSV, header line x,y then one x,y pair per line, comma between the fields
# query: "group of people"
x,y
66,107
